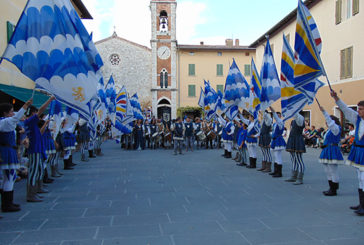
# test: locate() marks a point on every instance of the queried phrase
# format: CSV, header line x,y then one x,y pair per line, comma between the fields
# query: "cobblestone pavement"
x,y
154,197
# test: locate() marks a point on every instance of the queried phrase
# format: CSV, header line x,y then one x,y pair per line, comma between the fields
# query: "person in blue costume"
x,y
198,129
227,135
331,155
264,142
49,148
68,140
178,131
356,155
253,132
36,153
278,143
139,135
296,146
49,142
241,145
9,162
189,134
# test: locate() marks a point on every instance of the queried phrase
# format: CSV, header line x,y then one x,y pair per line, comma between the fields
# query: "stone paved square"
x,y
153,197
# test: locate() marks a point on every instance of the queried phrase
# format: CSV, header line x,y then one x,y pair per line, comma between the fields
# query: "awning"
x,y
24,94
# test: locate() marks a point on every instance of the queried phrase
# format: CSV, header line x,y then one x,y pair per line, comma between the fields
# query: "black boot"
x,y
332,190
71,163
274,169
358,206
278,174
330,187
225,153
66,164
228,155
253,162
91,154
46,179
12,200
6,202
360,211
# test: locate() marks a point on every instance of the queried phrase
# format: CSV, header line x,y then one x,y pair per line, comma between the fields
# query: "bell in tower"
x,y
163,21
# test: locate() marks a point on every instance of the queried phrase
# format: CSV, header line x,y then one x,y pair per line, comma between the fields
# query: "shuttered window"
x,y
191,69
219,69
346,63
246,70
191,90
355,7
10,29
338,11
220,87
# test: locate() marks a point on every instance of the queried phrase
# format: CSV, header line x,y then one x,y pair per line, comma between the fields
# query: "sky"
x,y
210,21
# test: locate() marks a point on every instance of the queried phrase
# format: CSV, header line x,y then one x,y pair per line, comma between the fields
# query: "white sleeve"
x,y
300,120
245,121
267,119
9,124
278,120
350,114
331,123
222,121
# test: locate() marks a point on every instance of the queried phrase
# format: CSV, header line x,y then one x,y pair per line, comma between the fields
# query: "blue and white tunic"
x,y
356,155
241,137
8,153
278,143
48,142
227,132
253,131
331,153
69,140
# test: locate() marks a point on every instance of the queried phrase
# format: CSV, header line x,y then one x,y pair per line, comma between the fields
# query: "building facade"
x,y
130,65
340,26
197,63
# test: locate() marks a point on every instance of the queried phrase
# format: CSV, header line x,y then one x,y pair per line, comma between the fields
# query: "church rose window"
x,y
115,59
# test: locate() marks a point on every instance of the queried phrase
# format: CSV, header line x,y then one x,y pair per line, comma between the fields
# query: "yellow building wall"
x,y
335,38
11,10
206,69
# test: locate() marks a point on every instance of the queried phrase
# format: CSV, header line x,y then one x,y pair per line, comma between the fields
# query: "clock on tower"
x,y
164,58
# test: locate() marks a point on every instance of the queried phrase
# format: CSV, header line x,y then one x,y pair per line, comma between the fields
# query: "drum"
x,y
211,135
201,135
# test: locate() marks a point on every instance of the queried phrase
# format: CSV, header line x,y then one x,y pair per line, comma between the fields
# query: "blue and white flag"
x,y
209,101
236,88
201,100
232,112
137,110
55,113
124,128
220,104
50,45
123,106
255,90
271,86
111,98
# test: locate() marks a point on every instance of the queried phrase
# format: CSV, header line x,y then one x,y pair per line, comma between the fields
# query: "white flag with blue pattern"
x,y
51,46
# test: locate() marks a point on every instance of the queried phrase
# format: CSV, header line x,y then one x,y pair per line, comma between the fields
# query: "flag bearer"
x,y
264,142
252,139
356,155
8,155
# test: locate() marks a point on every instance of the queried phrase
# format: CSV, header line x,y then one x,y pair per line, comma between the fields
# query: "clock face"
x,y
164,52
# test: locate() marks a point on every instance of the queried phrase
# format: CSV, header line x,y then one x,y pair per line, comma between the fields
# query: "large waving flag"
x,y
292,100
210,101
236,88
308,64
55,112
124,110
255,90
271,87
220,104
101,92
232,112
111,98
137,110
201,100
50,45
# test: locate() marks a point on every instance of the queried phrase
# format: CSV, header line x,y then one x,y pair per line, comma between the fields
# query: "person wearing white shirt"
x,y
356,155
8,156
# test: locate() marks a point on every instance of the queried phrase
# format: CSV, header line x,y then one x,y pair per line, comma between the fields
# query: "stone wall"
x,y
134,68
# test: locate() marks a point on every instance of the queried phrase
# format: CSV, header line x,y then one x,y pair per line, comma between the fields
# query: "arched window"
x,y
164,78
163,21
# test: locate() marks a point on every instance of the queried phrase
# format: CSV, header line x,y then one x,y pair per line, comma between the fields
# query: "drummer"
x,y
197,127
189,134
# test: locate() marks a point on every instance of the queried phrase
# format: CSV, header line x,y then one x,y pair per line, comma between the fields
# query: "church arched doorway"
x,y
164,110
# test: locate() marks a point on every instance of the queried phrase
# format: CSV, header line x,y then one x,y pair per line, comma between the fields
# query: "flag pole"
x,y
317,102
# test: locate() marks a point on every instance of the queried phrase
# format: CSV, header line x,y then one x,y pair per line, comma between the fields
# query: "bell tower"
x,y
164,58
